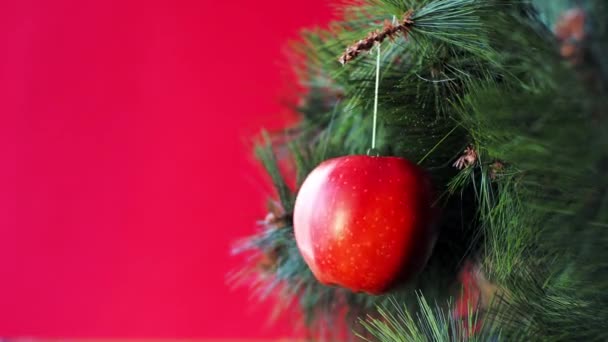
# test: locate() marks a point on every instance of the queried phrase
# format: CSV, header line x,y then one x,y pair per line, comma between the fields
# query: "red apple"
x,y
364,223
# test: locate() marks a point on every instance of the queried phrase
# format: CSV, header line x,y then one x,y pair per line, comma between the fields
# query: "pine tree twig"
x,y
496,168
570,32
468,158
390,31
276,218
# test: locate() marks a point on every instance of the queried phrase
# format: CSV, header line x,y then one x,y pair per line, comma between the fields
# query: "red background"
x,y
126,173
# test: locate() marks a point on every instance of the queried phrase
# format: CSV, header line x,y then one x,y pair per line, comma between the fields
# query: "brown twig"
x,y
468,158
496,168
570,32
390,31
276,218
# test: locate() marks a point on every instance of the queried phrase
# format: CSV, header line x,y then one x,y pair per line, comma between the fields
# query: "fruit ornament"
x,y
365,222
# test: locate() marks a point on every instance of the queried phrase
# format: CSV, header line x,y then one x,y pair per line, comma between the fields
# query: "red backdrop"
x,y
125,169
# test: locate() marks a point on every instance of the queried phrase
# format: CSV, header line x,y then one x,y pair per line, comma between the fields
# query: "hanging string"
x,y
375,120
373,151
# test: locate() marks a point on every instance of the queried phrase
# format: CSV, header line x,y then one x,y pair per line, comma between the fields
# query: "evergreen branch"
x,y
268,159
390,31
396,323
458,23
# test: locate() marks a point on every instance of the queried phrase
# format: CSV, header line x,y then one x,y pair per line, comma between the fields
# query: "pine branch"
x,y
267,157
397,323
390,31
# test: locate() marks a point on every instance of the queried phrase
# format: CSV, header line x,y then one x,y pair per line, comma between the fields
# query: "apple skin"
x,y
364,222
